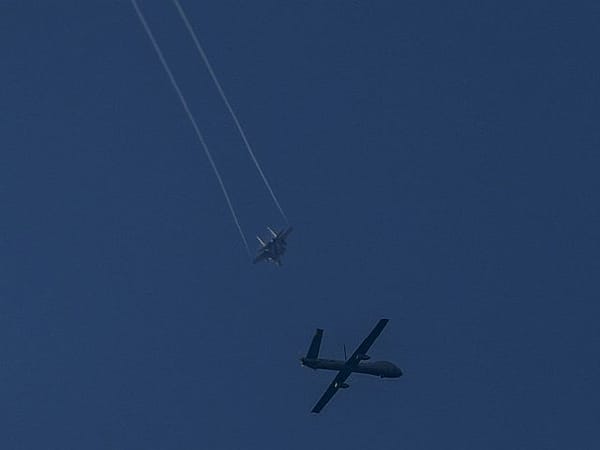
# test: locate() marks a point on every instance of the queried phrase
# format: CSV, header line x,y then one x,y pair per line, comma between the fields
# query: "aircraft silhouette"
x,y
356,363
273,250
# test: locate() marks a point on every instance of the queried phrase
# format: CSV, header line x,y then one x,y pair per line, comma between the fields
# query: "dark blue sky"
x,y
439,161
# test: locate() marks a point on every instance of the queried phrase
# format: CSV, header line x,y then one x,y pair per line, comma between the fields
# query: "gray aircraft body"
x,y
355,364
273,250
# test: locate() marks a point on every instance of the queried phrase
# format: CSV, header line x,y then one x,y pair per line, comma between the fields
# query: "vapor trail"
x,y
187,110
224,97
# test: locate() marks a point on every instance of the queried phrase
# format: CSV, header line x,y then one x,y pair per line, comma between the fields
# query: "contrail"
x,y
187,110
234,117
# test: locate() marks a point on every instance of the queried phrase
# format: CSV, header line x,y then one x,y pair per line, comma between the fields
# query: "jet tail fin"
x,y
315,345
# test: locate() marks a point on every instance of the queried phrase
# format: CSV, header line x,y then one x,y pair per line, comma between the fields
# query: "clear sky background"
x,y
438,160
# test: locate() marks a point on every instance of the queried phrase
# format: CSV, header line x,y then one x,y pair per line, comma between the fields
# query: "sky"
x,y
438,161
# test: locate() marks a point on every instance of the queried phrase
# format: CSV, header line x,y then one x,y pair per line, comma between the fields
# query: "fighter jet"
x,y
355,363
273,250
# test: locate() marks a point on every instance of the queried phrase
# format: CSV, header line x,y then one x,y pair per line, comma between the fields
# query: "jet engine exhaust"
x,y
192,120
228,105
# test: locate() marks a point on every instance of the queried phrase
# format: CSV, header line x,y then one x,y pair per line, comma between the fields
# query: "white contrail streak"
x,y
187,110
234,117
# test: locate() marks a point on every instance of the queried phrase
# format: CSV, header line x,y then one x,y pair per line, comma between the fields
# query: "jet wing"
x,y
284,234
364,347
332,389
260,257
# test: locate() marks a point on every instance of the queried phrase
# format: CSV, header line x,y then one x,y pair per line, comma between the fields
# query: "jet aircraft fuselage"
x,y
273,250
